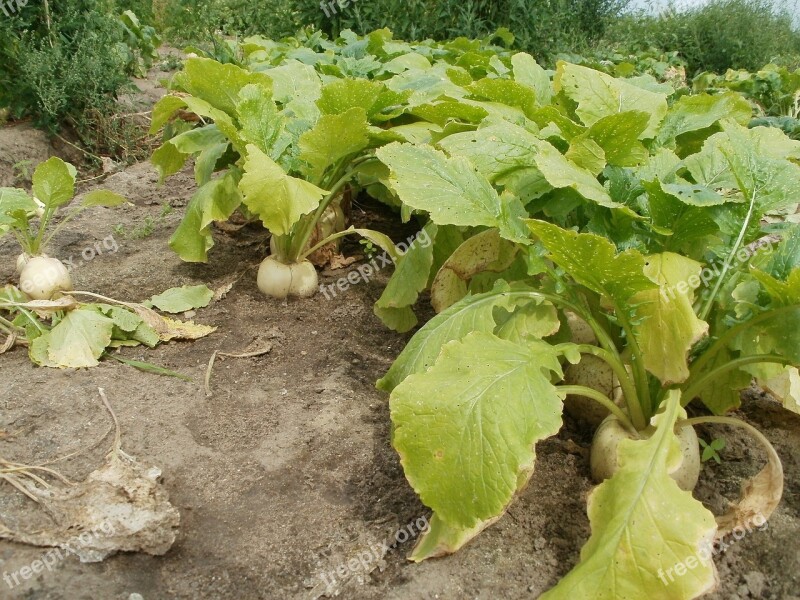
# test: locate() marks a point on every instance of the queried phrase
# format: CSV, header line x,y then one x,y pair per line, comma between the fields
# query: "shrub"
x,y
540,26
722,34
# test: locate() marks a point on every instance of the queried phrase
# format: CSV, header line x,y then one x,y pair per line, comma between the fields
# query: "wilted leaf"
x,y
178,300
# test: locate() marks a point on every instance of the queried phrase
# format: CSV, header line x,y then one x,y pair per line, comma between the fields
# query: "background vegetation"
x,y
66,62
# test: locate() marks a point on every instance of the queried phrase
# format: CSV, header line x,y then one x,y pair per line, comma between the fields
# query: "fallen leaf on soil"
x,y
45,306
9,343
171,329
339,261
760,497
184,330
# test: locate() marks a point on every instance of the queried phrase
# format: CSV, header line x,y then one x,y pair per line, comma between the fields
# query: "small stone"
x,y
135,596
756,582
539,543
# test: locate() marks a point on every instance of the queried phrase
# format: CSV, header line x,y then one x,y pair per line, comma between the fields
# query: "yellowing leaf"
x,y
785,386
277,198
466,428
649,538
486,251
79,339
183,330
667,326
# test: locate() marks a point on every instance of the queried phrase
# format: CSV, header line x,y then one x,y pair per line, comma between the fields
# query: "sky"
x,y
657,5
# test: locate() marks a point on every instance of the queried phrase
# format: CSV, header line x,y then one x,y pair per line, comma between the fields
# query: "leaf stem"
x,y
637,364
729,259
307,227
628,388
701,362
693,389
582,390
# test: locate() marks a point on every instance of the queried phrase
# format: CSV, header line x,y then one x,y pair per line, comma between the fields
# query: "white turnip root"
x,y
43,276
581,331
280,280
603,458
22,260
591,372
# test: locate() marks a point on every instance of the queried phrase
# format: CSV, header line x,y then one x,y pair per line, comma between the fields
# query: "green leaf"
x,y
126,320
649,538
168,160
473,313
532,321
410,277
214,201
216,83
599,95
180,299
755,161
563,173
261,122
445,110
528,73
666,325
341,95
333,137
163,111
692,113
197,139
506,91
13,200
686,224
593,261
466,429
497,150
278,199
206,162
426,85
103,198
296,85
618,135
79,339
450,190
54,182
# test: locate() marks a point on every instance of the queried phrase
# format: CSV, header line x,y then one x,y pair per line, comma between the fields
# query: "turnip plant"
x,y
287,147
30,220
667,230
